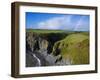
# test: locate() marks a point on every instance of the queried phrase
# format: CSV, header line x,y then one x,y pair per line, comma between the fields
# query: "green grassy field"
x,y
51,31
44,31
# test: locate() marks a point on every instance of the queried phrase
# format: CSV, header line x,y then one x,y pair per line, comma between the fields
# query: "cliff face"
x,y
41,45
35,42
42,42
49,49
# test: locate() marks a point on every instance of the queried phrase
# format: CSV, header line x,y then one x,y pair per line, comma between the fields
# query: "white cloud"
x,y
61,22
65,22
82,24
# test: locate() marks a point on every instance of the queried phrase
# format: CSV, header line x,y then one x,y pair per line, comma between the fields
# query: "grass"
x,y
74,47
44,31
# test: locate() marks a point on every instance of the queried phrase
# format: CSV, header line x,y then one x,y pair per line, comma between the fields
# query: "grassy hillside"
x,y
74,47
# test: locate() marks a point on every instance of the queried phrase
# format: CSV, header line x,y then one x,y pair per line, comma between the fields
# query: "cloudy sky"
x,y
70,22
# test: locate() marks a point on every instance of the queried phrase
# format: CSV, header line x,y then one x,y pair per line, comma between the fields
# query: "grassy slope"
x,y
74,47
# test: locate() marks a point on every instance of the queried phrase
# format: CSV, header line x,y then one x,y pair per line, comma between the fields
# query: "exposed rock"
x,y
31,61
30,41
35,42
43,44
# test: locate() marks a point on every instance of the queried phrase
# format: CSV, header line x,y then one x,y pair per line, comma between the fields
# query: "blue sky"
x,y
52,21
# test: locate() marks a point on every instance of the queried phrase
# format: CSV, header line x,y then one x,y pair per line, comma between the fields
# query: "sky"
x,y
71,22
